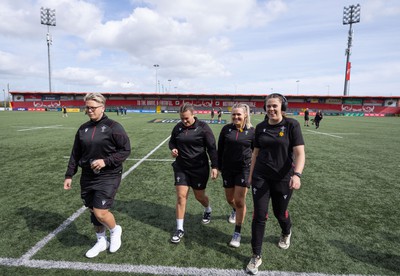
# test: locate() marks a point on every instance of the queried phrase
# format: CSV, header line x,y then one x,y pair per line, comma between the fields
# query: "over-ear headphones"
x,y
283,98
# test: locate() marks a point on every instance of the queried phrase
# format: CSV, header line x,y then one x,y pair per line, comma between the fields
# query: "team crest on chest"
x,y
282,132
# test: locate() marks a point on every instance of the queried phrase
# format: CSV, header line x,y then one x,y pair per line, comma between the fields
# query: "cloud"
x,y
15,65
90,54
187,39
374,9
83,76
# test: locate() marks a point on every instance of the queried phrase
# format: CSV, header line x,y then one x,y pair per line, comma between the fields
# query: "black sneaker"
x,y
206,217
176,238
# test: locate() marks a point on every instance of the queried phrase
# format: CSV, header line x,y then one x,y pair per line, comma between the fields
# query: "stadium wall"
x,y
153,102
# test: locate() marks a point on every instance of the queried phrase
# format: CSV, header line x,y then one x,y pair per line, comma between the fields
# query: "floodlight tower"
x,y
156,66
351,14
48,17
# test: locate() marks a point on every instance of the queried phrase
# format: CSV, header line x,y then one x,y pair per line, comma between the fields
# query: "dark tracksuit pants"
x,y
264,189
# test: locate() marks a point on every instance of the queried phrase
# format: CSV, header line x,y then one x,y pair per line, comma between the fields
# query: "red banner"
x,y
348,70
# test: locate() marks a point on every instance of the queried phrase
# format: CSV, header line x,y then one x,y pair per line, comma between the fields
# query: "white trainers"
x,y
115,239
206,217
284,241
253,265
232,217
176,238
235,242
101,245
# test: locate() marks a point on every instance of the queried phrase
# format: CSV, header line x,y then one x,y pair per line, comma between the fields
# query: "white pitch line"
x,y
137,159
147,269
69,220
323,133
50,236
144,158
153,160
36,128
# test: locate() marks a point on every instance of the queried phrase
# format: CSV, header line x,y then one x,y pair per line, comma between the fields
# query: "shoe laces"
x,y
284,238
254,260
236,236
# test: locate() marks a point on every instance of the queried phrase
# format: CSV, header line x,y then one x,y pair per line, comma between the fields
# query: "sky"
x,y
292,47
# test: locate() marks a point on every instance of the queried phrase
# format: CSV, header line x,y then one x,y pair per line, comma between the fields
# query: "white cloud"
x,y
90,54
84,76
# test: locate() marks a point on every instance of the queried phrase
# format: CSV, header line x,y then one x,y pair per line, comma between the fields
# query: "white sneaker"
x,y
101,245
206,217
284,241
253,265
115,239
232,217
235,242
176,238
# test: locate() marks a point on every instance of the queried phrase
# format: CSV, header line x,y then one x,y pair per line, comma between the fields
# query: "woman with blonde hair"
x,y
235,145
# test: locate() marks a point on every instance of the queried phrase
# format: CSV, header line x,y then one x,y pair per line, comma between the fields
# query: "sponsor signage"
x,y
231,103
333,101
195,103
66,98
18,98
352,101
373,102
32,98
391,103
50,98
295,100
175,121
374,115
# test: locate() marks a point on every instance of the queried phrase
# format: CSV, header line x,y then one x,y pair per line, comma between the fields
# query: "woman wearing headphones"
x,y
277,164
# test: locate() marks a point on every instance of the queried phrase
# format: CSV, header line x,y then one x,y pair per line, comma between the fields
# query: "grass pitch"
x,y
345,216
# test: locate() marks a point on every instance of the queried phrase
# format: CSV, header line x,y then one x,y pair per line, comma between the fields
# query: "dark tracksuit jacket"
x,y
276,143
193,143
235,148
105,139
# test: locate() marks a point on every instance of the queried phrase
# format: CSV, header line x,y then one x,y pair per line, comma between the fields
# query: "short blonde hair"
x,y
246,110
97,97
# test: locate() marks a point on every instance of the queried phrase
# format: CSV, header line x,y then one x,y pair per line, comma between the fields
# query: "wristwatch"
x,y
298,174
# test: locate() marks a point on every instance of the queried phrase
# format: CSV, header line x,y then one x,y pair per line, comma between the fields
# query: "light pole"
x,y
4,92
328,88
298,86
351,14
48,17
156,66
169,86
